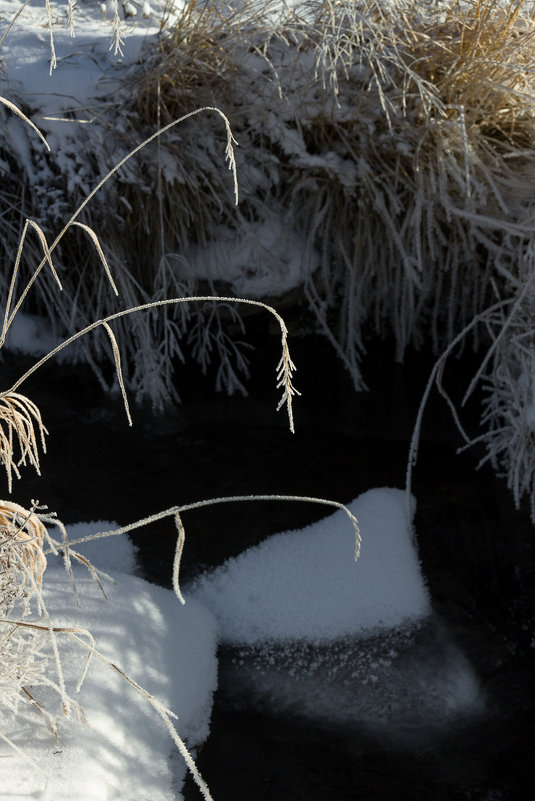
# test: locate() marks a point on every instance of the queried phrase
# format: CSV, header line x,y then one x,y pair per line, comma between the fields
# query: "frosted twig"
x,y
284,369
23,116
176,512
178,556
53,61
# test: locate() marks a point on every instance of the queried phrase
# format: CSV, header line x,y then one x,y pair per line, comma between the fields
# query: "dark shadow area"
x,y
477,551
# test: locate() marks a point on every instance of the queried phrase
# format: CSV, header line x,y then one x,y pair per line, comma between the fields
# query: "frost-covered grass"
x,y
354,120
385,156
386,146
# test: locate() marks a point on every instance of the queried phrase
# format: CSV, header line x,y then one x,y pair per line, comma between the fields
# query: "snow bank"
x,y
306,584
124,750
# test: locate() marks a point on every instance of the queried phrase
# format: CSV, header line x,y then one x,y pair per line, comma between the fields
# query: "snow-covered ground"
x,y
85,55
122,748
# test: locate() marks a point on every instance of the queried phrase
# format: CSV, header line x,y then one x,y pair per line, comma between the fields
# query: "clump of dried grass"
x,y
357,118
19,417
477,60
22,562
414,119
435,114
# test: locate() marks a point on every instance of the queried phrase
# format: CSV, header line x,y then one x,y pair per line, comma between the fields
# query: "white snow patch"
x,y
306,584
80,87
124,751
30,334
259,260
117,553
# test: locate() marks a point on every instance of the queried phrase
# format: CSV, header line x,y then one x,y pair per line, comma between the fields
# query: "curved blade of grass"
x,y
284,370
176,512
94,238
47,258
229,153
23,116
117,357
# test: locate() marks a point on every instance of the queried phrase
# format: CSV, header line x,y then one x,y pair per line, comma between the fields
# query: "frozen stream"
x,y
405,687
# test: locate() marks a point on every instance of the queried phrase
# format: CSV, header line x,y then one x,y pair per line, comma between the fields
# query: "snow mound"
x,y
305,585
125,750
117,553
309,633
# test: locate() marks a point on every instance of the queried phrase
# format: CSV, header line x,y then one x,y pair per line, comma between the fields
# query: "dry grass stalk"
x,y
176,513
285,367
12,107
14,19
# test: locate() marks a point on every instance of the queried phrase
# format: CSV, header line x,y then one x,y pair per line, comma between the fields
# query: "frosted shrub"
x,y
356,119
398,140
508,382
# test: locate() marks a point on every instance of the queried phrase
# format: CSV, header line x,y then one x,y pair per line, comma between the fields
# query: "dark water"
x,y
477,554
